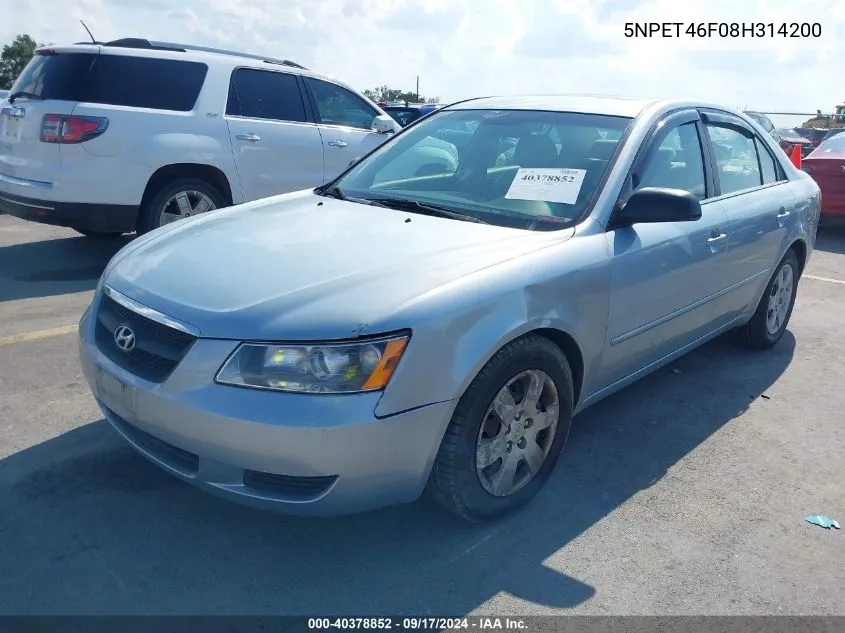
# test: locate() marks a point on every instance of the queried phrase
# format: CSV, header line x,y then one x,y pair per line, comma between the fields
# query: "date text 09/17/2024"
x,y
463,623
724,29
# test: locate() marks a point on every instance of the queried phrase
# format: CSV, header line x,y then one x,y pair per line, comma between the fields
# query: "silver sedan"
x,y
410,328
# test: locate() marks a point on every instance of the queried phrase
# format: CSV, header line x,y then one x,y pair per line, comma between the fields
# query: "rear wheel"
x,y
769,322
176,200
507,432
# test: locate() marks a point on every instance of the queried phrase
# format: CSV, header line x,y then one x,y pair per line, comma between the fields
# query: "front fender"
x,y
563,287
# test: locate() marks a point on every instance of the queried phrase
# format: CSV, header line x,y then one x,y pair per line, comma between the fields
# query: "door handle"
x,y
717,240
338,143
252,138
782,215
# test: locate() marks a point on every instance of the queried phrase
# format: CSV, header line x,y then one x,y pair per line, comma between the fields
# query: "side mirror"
x,y
653,204
383,124
353,161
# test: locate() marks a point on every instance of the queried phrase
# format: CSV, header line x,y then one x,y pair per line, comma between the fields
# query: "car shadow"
x,y
55,267
90,527
831,239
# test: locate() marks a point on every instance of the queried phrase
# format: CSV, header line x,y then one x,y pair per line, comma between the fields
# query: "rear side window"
x,y
145,82
265,94
122,80
60,76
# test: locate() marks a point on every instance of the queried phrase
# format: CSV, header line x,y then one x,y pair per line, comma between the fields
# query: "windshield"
x,y
520,168
789,132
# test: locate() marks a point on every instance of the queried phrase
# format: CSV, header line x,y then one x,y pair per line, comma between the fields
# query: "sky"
x,y
467,48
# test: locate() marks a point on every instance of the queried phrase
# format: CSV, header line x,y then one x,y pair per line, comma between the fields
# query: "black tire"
x,y
151,208
755,334
108,235
454,482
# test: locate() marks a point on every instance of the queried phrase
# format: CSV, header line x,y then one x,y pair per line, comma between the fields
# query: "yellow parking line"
x,y
827,279
37,334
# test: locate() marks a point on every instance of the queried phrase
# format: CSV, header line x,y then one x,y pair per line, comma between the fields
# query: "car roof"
x,y
174,50
582,103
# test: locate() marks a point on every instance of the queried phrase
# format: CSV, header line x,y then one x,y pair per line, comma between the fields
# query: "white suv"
x,y
129,135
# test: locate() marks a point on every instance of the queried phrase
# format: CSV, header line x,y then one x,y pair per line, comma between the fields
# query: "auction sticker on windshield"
x,y
547,185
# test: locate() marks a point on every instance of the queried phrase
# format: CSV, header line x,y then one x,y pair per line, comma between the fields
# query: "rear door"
x,y
277,148
345,122
755,194
53,79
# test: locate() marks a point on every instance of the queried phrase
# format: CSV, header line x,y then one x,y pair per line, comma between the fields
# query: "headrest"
x,y
603,149
535,150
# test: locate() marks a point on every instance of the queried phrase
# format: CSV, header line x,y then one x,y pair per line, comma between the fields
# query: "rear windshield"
x,y
834,144
121,80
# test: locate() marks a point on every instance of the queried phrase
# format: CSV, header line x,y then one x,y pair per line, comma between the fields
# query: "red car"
x,y
789,138
826,165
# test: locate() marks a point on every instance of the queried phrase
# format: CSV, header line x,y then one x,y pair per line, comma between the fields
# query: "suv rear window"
x,y
121,80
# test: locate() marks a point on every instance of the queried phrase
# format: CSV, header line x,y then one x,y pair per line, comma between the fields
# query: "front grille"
x,y
158,348
299,488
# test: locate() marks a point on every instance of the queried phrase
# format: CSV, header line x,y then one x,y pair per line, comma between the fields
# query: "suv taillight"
x,y
65,128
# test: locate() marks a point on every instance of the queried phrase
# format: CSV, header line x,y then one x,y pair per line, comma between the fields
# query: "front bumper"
x,y
291,453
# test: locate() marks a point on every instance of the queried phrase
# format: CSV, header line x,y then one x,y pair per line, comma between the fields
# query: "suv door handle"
x,y
337,143
782,215
717,240
252,138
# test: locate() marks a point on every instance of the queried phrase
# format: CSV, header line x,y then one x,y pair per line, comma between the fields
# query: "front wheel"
x,y
769,322
506,433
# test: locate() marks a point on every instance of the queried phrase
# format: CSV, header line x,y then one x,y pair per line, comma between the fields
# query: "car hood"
x,y
301,266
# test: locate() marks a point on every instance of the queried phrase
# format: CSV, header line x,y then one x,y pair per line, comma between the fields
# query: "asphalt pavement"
x,y
684,494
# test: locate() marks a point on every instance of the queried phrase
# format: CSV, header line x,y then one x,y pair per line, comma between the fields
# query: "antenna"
x,y
89,32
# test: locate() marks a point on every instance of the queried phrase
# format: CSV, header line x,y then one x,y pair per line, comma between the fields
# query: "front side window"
x,y
265,94
521,168
736,158
338,106
677,163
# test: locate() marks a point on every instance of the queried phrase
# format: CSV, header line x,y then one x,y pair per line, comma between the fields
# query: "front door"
x,y
665,276
345,122
276,149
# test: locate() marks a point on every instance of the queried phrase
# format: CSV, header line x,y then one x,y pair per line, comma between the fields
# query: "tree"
x,y
386,93
14,58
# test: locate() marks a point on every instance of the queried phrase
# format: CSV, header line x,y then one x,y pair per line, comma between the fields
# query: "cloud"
x,y
466,48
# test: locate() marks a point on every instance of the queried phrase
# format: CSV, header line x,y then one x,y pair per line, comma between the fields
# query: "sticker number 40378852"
x,y
547,185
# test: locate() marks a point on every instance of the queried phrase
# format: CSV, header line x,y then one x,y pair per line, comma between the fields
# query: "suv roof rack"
x,y
137,42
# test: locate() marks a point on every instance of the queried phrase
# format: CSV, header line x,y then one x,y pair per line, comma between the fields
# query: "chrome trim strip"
x,y
153,315
35,184
26,204
681,311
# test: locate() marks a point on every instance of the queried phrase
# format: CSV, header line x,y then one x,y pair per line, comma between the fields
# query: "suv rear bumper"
x,y
99,218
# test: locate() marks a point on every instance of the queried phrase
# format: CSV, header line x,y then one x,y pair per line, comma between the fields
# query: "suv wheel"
x,y
176,200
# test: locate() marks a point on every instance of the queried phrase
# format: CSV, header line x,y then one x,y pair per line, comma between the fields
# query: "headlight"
x,y
317,368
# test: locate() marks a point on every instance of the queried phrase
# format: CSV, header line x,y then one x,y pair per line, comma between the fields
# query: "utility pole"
x,y
418,88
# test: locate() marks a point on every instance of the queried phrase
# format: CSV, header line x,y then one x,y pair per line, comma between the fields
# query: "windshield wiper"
x,y
415,206
335,192
24,93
